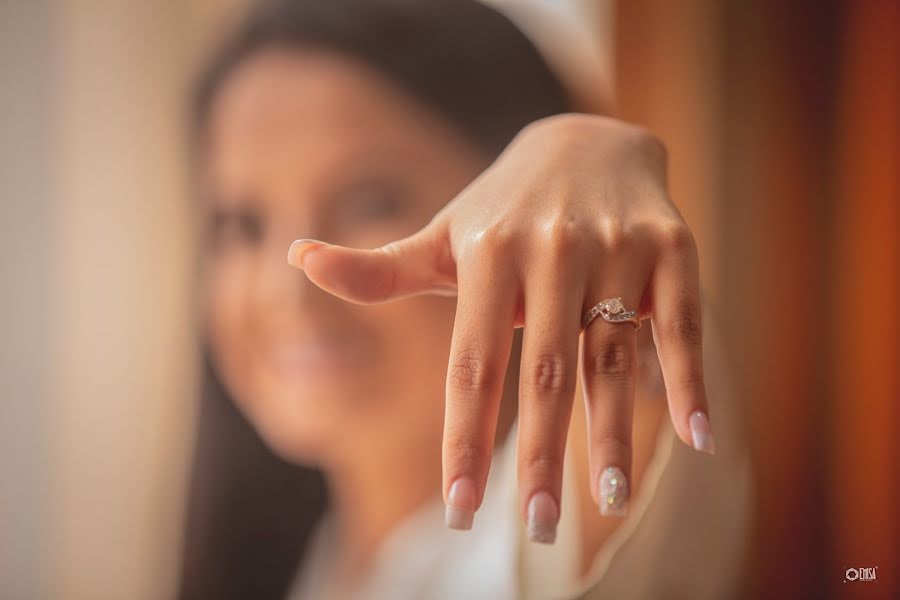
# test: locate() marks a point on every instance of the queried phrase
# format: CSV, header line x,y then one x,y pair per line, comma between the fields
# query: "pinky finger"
x,y
677,332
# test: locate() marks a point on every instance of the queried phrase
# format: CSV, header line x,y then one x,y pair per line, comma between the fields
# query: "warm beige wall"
x,y
97,376
26,83
121,386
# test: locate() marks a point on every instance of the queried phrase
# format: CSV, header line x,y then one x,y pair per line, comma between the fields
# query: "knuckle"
x,y
470,375
611,444
550,375
492,244
561,239
613,359
465,453
542,462
613,234
498,241
677,237
686,327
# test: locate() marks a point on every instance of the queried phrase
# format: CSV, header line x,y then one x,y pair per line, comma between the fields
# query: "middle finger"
x,y
546,388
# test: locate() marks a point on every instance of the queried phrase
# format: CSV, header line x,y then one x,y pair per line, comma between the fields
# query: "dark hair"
x,y
460,58
249,512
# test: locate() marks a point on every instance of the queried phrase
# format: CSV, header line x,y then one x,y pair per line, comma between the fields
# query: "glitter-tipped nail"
x,y
613,492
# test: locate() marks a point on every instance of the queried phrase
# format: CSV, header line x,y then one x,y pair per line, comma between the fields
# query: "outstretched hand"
x,y
576,210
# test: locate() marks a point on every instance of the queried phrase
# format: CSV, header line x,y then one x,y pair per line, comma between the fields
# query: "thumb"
x,y
421,263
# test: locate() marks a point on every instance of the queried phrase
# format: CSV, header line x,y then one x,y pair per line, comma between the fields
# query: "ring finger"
x,y
609,357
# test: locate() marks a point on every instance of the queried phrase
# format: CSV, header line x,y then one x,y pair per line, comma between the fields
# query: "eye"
x,y
242,226
373,201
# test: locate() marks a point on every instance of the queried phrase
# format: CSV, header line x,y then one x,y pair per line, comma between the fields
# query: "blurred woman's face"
x,y
304,144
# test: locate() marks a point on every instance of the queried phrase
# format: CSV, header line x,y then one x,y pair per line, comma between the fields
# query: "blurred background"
x,y
783,123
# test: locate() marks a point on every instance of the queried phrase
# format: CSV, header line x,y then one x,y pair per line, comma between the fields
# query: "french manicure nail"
x,y
701,434
613,492
299,249
460,504
543,515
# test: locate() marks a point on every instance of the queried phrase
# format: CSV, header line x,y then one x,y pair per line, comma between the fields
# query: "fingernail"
x,y
299,249
543,515
613,492
701,434
461,504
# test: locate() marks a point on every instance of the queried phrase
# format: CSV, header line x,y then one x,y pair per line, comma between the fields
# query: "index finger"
x,y
479,354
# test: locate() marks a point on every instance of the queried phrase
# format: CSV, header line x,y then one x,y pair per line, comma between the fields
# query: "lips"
x,y
318,358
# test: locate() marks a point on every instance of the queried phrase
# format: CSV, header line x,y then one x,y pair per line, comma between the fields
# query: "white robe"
x,y
684,536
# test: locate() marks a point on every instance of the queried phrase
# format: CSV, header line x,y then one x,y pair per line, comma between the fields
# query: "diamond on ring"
x,y
612,310
613,306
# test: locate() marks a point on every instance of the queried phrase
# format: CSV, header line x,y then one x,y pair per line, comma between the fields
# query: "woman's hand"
x,y
576,210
